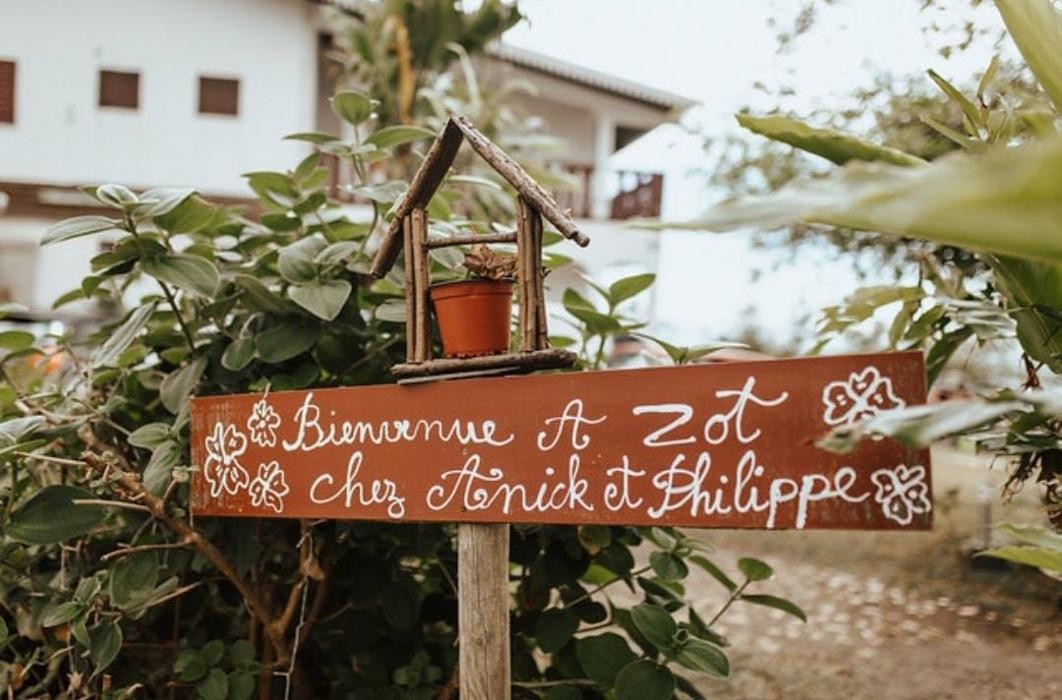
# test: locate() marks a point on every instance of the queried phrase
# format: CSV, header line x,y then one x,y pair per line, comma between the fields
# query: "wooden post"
x,y
411,297
538,293
524,275
421,281
483,611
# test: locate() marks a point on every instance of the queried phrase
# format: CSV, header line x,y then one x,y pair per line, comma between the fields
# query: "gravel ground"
x,y
894,616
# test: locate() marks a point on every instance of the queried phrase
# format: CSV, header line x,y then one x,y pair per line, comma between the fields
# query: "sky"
x,y
716,51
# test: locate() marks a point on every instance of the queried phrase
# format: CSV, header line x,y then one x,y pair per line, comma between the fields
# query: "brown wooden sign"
x,y
727,445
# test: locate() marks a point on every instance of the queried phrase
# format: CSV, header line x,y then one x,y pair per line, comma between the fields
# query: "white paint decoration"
x,y
269,487
263,424
863,395
221,469
902,492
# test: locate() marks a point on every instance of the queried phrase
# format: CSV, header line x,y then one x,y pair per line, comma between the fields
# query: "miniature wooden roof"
x,y
432,171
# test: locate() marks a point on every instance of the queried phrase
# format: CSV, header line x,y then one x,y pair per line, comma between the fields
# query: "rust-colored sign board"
x,y
727,445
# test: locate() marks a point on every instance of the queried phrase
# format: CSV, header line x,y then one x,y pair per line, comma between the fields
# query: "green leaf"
x,y
284,341
699,655
215,686
76,227
238,354
392,136
833,145
1038,557
987,77
383,193
116,196
715,571
190,216
14,430
296,262
16,340
189,272
1005,201
959,139
754,569
918,426
1034,535
64,612
655,624
150,435
159,468
1036,28
177,386
105,641
259,297
241,685
628,287
323,299
3,631
549,238
777,603
352,107
108,353
133,579
242,653
668,566
393,310
603,656
337,253
579,307
162,200
51,516
1034,289
644,679
969,109
942,350
554,628
314,137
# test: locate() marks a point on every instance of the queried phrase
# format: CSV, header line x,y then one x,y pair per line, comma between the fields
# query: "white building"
x,y
196,92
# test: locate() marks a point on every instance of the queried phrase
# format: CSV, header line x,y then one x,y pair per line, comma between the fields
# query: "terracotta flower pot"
x,y
473,316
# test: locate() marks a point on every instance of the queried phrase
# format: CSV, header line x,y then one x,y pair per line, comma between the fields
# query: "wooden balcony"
x,y
639,194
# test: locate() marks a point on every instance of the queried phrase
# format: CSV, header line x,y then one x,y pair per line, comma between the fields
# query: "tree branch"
x,y
127,483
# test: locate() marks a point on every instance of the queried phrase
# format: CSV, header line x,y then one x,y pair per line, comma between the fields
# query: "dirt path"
x,y
893,616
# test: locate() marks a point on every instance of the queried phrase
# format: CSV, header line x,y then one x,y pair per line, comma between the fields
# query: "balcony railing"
x,y
638,194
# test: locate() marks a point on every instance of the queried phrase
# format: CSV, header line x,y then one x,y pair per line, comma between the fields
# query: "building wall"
x,y
62,136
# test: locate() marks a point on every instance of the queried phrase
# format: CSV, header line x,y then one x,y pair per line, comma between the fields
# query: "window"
x,y
219,96
119,89
7,92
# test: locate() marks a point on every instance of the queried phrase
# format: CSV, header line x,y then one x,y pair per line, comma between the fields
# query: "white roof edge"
x,y
525,58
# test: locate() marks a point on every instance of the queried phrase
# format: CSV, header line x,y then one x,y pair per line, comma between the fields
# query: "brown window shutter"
x,y
219,96
7,92
119,89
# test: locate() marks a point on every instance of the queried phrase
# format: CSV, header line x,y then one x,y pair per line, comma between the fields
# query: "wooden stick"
x,y
483,610
518,178
472,239
524,274
421,280
411,298
538,295
551,358
431,172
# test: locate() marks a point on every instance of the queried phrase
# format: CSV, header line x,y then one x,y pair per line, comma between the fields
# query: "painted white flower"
x,y
902,492
263,424
222,470
863,395
269,487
